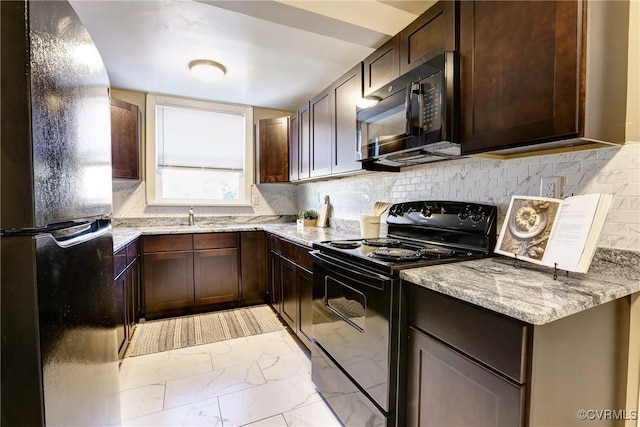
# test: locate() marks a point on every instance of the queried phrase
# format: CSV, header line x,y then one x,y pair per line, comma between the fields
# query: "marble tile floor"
x,y
257,381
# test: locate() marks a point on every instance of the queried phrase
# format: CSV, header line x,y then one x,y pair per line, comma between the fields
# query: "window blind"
x,y
196,138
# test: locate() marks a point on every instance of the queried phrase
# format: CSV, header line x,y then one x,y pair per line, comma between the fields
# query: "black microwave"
x,y
415,120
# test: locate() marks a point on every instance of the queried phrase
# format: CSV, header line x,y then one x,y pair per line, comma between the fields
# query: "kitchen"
x,y
470,179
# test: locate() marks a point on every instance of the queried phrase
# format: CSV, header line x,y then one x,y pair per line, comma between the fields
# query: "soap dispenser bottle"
x,y
191,216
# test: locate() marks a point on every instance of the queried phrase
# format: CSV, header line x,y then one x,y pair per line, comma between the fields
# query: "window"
x,y
198,152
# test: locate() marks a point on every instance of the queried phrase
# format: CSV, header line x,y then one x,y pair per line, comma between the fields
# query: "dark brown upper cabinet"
x,y
526,86
429,35
125,139
519,75
321,127
304,118
273,150
294,147
346,91
382,66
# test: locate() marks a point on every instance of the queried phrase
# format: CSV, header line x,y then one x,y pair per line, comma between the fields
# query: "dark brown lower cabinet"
x,y
253,266
469,366
445,388
185,273
215,276
275,290
132,296
168,281
127,287
305,289
465,366
121,320
291,285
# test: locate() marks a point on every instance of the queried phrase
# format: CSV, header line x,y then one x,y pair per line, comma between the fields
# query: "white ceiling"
x,y
277,53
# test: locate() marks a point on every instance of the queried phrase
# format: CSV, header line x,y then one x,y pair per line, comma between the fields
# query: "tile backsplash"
x,y
129,201
608,170
614,170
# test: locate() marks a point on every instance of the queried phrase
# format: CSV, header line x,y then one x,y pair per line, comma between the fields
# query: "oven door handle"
x,y
350,271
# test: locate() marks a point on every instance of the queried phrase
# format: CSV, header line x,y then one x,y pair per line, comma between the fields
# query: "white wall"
x,y
614,170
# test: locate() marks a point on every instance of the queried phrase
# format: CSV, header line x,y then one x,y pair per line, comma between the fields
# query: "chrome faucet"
x,y
191,216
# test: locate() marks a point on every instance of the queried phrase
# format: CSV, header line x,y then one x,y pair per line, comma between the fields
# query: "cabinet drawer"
x,y
490,338
297,254
133,250
119,262
215,240
169,242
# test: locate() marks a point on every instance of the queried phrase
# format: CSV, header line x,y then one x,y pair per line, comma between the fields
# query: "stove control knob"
x,y
396,210
426,212
477,216
463,215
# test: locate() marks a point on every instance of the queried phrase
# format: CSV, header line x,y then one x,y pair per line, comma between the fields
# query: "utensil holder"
x,y
370,226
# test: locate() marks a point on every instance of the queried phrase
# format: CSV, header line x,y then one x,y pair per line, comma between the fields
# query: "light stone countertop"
x,y
124,235
529,293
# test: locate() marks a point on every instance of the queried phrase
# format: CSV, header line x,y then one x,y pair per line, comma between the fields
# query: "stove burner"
x,y
436,251
382,242
344,244
395,254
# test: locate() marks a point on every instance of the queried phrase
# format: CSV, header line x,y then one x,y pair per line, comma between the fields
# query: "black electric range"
x,y
356,300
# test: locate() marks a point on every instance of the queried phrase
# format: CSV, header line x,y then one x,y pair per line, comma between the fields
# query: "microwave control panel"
x,y
431,102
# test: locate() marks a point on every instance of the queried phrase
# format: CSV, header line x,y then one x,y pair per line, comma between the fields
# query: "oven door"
x,y
354,324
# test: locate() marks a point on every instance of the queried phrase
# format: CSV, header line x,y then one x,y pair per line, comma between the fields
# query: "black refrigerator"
x,y
59,351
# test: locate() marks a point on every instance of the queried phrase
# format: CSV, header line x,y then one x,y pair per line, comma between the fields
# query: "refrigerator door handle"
x,y
79,234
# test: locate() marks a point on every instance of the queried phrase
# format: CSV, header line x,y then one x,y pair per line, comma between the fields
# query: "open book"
x,y
554,232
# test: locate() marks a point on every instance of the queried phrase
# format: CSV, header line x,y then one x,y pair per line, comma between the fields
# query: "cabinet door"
x,y
289,289
294,148
253,265
382,66
305,289
168,281
346,92
445,388
133,297
215,276
519,76
121,323
125,139
305,141
429,35
273,149
320,108
275,284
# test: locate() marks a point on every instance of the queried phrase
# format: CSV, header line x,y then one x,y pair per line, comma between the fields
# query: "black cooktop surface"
x,y
398,255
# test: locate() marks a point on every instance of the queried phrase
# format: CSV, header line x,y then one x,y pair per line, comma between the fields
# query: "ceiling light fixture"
x,y
367,101
207,70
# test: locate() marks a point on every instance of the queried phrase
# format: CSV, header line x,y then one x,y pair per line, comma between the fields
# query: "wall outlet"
x,y
551,186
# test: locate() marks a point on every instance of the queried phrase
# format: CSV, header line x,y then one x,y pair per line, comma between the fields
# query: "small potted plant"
x,y
307,218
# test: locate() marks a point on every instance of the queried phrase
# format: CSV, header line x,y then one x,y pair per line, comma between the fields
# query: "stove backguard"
x,y
469,226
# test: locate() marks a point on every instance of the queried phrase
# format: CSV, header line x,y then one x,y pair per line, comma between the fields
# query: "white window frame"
x,y
151,164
